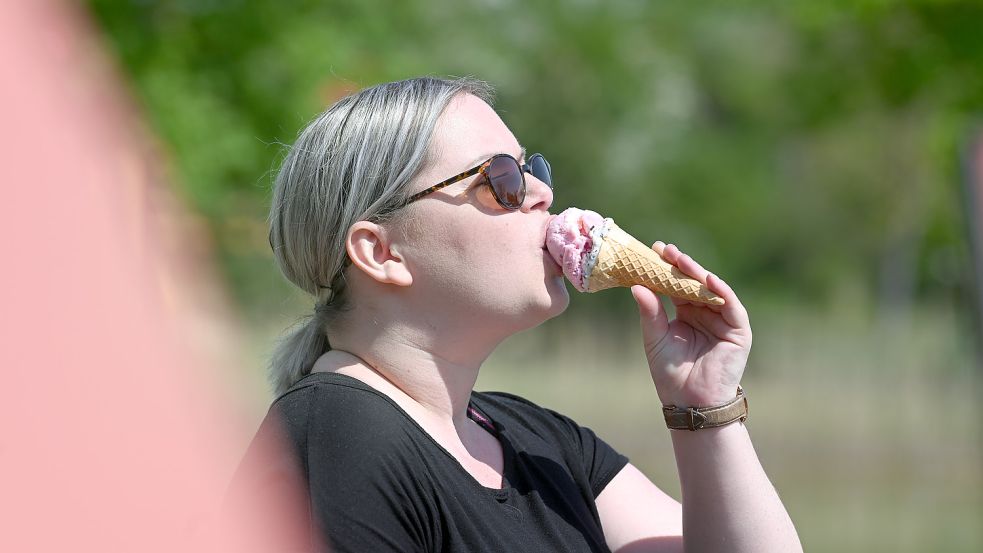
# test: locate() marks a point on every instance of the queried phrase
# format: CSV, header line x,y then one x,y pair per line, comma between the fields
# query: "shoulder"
x,y
365,462
336,414
337,395
351,437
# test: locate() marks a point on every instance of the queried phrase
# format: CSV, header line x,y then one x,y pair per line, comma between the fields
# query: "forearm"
x,y
728,502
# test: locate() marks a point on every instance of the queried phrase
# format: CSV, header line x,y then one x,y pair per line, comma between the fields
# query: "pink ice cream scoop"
x,y
568,239
597,254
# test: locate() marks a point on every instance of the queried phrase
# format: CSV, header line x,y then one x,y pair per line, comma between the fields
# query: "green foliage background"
x,y
808,152
802,149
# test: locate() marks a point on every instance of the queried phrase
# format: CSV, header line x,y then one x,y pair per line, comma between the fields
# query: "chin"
x,y
528,314
529,311
557,298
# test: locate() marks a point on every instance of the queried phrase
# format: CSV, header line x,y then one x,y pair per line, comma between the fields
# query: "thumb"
x,y
655,321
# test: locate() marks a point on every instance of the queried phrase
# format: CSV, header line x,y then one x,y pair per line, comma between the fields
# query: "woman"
x,y
416,284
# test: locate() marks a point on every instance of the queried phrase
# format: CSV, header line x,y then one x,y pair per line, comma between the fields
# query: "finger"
x,y
733,311
659,247
655,321
708,321
679,302
685,263
691,267
669,253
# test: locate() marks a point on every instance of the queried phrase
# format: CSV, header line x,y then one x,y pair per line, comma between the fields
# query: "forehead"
x,y
468,132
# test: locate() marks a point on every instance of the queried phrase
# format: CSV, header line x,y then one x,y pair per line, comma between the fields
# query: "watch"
x,y
695,418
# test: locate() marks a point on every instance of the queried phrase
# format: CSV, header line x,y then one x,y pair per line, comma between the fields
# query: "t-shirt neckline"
x,y
495,430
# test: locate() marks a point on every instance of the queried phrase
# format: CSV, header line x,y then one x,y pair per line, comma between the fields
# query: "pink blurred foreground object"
x,y
117,429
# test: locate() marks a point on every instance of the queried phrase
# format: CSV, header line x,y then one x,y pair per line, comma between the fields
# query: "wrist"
x,y
703,398
704,417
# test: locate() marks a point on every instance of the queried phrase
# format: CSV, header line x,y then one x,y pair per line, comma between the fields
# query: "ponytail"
x,y
296,351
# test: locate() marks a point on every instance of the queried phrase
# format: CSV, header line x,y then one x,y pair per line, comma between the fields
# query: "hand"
x,y
698,358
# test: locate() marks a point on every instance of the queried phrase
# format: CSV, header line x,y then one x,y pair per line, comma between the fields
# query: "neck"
x,y
437,377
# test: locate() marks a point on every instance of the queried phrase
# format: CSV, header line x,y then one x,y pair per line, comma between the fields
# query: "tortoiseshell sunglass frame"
x,y
482,168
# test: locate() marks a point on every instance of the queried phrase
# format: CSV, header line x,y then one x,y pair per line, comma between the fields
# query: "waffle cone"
x,y
623,261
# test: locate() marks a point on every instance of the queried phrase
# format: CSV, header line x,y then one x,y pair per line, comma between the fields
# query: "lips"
x,y
556,268
545,249
546,227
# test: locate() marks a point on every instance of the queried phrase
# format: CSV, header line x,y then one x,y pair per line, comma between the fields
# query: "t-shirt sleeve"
x,y
578,444
601,461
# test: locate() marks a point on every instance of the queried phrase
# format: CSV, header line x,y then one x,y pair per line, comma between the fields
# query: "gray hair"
x,y
352,163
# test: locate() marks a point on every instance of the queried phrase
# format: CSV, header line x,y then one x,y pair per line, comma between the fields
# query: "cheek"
x,y
484,262
488,256
452,262
481,257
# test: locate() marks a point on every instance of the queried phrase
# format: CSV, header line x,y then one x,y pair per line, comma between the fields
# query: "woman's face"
x,y
471,258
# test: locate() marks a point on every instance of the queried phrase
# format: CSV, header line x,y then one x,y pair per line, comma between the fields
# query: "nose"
x,y
539,196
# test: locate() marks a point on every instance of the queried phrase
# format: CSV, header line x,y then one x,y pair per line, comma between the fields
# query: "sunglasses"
x,y
505,175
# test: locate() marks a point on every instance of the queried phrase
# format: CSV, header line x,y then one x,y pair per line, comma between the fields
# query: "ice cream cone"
x,y
623,261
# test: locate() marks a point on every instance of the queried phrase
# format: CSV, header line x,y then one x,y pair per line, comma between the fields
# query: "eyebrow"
x,y
486,157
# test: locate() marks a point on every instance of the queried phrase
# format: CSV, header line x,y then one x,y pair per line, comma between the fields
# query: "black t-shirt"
x,y
379,483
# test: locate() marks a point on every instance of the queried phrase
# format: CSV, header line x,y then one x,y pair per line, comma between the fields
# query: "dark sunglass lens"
x,y
541,169
506,180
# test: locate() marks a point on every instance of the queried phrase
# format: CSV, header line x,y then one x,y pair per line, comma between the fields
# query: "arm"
x,y
638,517
728,503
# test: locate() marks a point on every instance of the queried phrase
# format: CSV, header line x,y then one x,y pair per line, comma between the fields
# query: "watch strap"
x,y
695,418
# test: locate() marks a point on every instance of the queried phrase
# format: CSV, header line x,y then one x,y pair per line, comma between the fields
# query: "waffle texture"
x,y
623,261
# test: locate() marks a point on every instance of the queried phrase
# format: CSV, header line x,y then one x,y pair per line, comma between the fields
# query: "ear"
x,y
370,248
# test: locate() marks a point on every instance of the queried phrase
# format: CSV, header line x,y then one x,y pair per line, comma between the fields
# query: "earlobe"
x,y
371,249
